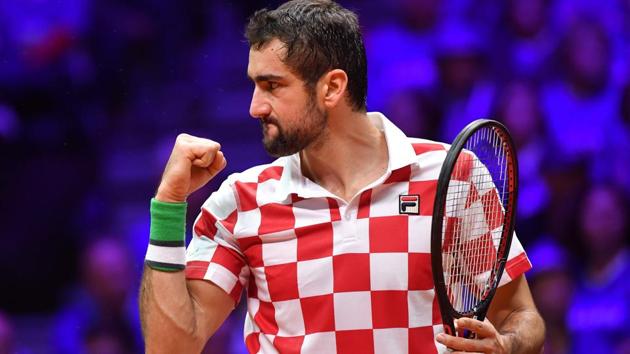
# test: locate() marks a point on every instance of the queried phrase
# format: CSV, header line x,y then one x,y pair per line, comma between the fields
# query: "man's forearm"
x,y
167,313
524,330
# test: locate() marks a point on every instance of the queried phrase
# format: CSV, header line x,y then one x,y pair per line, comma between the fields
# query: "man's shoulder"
x,y
260,173
239,190
424,146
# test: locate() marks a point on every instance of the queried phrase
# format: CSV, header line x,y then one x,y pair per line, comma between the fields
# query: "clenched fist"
x,y
193,163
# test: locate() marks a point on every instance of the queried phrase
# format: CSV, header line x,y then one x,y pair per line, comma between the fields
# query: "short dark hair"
x,y
320,36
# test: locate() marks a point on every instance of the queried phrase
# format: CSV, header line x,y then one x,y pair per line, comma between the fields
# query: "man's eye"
x,y
273,85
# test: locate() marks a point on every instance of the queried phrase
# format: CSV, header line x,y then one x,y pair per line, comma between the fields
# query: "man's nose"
x,y
259,107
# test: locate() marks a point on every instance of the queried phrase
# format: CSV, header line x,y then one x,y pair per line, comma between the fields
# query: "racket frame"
x,y
449,314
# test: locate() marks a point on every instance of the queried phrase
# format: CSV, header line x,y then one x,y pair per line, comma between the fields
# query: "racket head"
x,y
492,140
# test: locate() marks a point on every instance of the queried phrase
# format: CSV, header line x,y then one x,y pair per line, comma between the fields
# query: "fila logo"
x,y
409,204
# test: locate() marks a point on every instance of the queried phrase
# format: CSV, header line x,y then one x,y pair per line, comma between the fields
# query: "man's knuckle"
x,y
214,145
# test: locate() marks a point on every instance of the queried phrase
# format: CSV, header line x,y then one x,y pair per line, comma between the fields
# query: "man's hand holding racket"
x,y
488,340
193,163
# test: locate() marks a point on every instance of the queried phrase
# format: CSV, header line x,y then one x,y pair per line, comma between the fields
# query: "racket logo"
x,y
409,204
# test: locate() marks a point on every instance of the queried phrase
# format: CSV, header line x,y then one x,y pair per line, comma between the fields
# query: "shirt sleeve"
x,y
517,263
213,254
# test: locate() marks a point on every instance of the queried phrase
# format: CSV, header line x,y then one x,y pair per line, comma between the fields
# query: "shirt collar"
x,y
399,150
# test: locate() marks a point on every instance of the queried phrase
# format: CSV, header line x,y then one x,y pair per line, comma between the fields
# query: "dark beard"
x,y
289,141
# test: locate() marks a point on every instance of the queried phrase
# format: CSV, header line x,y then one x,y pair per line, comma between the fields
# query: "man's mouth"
x,y
269,123
269,126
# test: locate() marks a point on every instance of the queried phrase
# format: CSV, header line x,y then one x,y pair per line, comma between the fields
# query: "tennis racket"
x,y
473,221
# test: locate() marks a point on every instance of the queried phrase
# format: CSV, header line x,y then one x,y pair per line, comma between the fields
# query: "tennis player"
x,y
330,260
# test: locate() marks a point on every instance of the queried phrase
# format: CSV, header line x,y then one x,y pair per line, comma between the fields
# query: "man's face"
x,y
288,110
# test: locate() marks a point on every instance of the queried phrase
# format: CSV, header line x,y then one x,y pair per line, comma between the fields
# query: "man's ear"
x,y
333,87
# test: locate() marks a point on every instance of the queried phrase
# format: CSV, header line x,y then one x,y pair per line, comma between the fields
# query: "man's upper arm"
x,y
513,296
215,266
212,305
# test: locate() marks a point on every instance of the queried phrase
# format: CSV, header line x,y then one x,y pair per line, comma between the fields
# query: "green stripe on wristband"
x,y
168,221
167,236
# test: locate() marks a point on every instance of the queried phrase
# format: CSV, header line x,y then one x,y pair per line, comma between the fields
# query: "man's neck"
x,y
351,154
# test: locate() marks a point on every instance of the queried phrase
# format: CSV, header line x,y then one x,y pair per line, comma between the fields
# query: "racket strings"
x,y
474,218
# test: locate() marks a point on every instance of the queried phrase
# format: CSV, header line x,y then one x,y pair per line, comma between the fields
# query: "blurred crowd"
x,y
94,92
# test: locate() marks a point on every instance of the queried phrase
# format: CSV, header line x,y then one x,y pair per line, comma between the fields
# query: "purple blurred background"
x,y
94,92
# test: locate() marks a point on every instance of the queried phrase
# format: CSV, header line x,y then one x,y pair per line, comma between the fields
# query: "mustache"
x,y
269,120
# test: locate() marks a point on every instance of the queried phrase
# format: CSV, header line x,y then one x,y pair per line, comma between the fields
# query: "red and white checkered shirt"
x,y
324,275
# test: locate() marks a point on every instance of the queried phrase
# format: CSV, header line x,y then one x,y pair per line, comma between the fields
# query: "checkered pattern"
x,y
323,275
